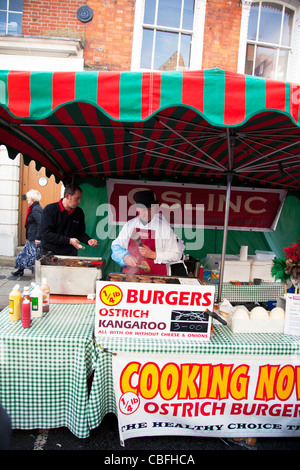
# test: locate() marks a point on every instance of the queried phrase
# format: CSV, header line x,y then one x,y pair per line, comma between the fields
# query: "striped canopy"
x,y
190,126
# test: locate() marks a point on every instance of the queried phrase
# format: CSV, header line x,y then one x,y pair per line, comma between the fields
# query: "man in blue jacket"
x,y
63,225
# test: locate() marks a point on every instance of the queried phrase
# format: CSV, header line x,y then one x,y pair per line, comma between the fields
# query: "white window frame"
x,y
7,11
197,35
293,68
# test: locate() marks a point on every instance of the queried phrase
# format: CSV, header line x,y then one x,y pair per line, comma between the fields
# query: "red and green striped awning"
x,y
189,126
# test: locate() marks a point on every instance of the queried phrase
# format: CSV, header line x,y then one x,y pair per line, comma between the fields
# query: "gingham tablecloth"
x,y
223,341
44,369
251,293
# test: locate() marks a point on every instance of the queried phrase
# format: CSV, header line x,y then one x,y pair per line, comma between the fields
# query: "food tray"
x,y
69,275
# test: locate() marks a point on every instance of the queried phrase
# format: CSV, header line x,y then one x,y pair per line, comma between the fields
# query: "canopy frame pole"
x,y
230,142
225,232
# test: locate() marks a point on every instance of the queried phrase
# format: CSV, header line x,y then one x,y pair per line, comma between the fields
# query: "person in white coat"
x,y
149,241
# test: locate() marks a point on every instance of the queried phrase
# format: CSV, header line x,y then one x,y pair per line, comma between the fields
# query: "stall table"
x,y
251,293
44,369
222,343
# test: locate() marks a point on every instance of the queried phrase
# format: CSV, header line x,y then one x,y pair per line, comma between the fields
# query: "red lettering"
x,y
158,296
145,300
297,411
196,298
132,295
184,298
287,410
236,408
171,298
206,298
164,410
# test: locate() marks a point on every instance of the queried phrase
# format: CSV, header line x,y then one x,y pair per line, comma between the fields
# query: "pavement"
x,y
7,281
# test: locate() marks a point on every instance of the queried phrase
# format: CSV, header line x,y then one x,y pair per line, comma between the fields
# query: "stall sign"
x,y
207,395
292,315
199,206
144,310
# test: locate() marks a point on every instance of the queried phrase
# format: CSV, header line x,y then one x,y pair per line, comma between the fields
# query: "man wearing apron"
x,y
149,241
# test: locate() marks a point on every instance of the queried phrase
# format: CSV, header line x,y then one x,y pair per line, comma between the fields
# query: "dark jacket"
x,y
33,225
57,227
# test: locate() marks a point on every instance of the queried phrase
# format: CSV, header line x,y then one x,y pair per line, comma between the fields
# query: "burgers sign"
x,y
140,309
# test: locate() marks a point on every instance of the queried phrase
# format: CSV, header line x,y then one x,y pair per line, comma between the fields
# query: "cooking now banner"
x,y
198,206
207,395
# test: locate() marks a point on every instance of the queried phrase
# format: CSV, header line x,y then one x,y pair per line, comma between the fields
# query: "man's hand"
x,y
93,242
131,260
146,252
75,243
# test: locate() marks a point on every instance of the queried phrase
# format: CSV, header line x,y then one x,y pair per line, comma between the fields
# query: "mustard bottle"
x,y
15,304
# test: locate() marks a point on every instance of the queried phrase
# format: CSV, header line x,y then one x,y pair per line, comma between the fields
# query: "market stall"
x,y
204,128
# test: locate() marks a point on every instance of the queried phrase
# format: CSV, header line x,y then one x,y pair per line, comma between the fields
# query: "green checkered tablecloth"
x,y
44,369
251,293
223,342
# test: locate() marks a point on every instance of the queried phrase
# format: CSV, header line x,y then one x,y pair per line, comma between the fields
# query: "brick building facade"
x,y
108,37
111,40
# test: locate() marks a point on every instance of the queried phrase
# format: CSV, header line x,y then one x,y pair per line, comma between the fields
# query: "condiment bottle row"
x,y
29,305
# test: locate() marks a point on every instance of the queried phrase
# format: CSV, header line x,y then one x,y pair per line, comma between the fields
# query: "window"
x,y
269,40
11,12
167,34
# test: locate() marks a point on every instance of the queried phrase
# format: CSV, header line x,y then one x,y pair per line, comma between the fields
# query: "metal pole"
x,y
230,144
226,218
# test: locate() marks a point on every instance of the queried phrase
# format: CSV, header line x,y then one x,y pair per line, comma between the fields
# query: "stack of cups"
x,y
243,253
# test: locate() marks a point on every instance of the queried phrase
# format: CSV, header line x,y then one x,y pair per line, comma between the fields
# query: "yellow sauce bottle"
x,y
14,304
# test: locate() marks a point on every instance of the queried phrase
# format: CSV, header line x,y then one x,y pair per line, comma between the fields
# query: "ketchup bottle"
x,y
26,313
200,273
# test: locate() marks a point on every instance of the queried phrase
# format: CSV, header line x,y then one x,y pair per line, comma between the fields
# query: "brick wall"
x,y
108,42
222,34
107,37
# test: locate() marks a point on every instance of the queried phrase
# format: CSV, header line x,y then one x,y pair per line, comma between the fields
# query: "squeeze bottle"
x,y
36,301
26,294
46,295
215,274
200,273
14,304
26,313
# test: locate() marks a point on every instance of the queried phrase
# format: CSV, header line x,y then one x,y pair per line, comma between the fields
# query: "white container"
x,y
211,259
261,270
234,269
264,255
